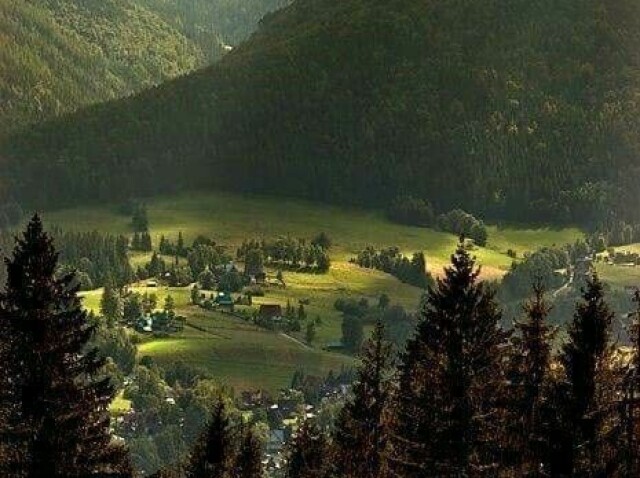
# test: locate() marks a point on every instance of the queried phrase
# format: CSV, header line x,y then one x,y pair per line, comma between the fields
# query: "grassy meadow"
x,y
230,218
618,275
243,355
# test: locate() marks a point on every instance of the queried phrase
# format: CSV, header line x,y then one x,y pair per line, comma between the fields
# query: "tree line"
x,y
390,260
289,253
97,258
414,211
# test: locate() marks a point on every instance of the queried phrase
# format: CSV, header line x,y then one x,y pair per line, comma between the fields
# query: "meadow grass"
x,y
240,354
120,405
231,218
246,356
620,275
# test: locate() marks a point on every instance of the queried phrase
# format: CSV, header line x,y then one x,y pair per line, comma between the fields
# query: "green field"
x,y
253,356
230,218
240,354
621,275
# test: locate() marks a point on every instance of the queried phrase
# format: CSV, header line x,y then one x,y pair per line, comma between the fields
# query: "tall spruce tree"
x,y
214,453
111,304
444,423
586,396
249,460
529,377
309,454
360,436
630,410
55,397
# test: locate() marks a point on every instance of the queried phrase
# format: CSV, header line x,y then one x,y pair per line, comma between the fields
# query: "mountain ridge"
x,y
514,109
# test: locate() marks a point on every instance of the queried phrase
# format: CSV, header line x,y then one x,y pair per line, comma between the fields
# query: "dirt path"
x,y
293,339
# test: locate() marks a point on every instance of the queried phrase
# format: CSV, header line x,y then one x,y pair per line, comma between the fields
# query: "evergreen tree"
x,y
180,250
360,436
169,304
145,242
529,377
164,247
156,266
195,295
214,453
132,309
352,332
54,402
310,333
111,305
584,397
309,453
253,262
249,459
630,418
139,219
302,314
444,417
136,243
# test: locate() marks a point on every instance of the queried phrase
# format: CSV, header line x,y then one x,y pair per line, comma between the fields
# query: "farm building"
x,y
335,346
270,312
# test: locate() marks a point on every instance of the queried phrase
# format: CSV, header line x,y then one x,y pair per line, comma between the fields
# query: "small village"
x,y
276,416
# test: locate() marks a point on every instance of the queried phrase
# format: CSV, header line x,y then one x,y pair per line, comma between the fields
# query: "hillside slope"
x,y
58,55
210,24
504,108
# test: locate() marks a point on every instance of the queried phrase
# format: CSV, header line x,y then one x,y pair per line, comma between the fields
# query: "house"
x,y
252,399
229,267
224,299
276,441
335,346
270,312
145,324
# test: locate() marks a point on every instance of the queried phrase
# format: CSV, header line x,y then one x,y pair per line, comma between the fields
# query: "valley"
x,y
239,353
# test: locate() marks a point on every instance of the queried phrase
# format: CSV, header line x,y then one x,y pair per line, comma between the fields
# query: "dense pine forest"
x,y
505,110
59,55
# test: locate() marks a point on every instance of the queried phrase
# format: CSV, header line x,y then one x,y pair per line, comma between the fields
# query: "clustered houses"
x,y
283,414
160,321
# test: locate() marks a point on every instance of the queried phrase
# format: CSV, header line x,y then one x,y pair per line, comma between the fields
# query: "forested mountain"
x,y
57,55
506,109
212,24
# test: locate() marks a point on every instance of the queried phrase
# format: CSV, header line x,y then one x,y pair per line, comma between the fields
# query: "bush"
x,y
462,223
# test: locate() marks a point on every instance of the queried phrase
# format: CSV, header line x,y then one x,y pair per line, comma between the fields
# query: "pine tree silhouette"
x,y
249,459
449,378
54,398
630,410
529,379
360,436
309,454
585,397
214,453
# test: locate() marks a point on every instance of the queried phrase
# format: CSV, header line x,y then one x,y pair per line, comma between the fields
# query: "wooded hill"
x,y
57,55
509,110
